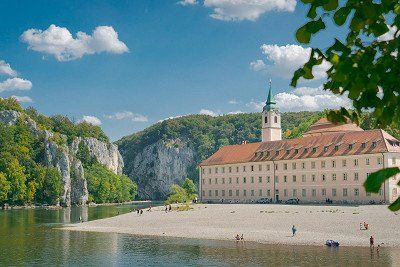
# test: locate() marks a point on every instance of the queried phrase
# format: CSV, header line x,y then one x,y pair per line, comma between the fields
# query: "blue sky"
x,y
169,59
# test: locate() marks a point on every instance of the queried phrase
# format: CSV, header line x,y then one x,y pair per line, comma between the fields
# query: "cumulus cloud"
x,y
6,69
23,99
91,119
389,35
285,60
236,10
209,112
13,84
128,115
187,2
59,42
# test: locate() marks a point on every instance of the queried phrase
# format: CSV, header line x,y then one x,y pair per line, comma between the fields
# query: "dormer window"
x,y
268,153
314,149
305,150
350,146
374,144
325,148
363,145
287,151
296,151
277,152
336,148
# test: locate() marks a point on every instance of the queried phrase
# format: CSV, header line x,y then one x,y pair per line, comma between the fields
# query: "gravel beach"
x,y
261,223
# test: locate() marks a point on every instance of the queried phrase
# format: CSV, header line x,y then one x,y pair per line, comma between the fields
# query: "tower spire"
x,y
270,103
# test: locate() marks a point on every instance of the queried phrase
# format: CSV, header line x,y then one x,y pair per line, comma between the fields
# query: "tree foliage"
x,y
184,194
365,65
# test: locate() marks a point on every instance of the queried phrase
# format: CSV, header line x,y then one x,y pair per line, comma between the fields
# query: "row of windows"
x,y
294,179
294,165
294,193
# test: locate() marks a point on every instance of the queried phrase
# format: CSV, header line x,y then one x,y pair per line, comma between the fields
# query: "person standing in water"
x,y
294,230
371,241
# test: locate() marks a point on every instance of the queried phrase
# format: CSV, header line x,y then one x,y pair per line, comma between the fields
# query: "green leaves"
x,y
303,35
341,15
375,180
395,206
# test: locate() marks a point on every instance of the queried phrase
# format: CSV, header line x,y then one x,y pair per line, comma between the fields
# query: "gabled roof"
x,y
323,126
311,146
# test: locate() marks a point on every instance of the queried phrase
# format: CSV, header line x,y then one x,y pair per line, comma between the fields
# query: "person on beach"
x,y
242,238
237,238
294,230
371,241
149,208
138,212
170,207
141,212
166,208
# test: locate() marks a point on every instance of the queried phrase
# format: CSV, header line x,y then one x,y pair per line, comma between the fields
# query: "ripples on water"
x,y
29,237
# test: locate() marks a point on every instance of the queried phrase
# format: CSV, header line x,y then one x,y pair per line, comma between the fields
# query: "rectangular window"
x,y
216,169
244,180
334,192
344,163
323,177
216,193
203,193
252,168
230,180
285,179
333,163
244,192
355,162
268,179
303,178
223,169
314,192
237,192
356,192
237,180
303,165
252,180
230,169
381,192
202,170
313,177
230,192
223,180
344,176
323,164
333,176
379,161
260,192
393,161
216,180
367,161
294,166
223,193
260,167
294,192
356,176
285,166
303,192
294,178
209,170
276,179
345,192
252,193
244,168
237,168
285,192
323,192
209,193
268,192
268,167
260,179
209,181
312,164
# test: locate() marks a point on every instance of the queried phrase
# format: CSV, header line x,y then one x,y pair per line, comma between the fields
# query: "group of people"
x,y
139,212
239,238
364,226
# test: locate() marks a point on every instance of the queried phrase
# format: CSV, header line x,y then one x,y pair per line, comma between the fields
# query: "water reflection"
x,y
29,237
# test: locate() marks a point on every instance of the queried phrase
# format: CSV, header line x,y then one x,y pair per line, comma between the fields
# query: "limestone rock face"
x,y
64,158
160,165
106,153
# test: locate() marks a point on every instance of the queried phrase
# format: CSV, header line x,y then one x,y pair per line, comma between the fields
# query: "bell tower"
x,y
271,119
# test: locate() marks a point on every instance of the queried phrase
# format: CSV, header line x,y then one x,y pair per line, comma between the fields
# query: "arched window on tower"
x,y
276,119
266,119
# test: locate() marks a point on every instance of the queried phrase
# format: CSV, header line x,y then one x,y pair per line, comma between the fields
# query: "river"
x,y
31,237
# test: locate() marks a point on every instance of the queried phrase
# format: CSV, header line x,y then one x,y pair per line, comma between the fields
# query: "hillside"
x,y
51,160
169,151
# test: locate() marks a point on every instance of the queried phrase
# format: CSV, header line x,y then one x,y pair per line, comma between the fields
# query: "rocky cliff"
x,y
64,157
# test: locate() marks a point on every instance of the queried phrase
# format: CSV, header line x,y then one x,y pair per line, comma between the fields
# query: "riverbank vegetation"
x,y
182,194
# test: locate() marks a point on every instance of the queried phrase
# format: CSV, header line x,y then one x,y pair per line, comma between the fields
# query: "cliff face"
x,y
63,157
158,166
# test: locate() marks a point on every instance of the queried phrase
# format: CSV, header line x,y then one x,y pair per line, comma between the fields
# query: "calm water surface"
x,y
30,237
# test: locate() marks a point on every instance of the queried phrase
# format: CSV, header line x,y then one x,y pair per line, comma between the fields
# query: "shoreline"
x,y
55,207
259,223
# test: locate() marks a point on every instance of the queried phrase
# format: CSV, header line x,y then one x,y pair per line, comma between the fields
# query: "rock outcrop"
x,y
64,158
159,165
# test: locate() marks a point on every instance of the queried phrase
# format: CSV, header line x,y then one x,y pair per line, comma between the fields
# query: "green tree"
x,y
5,187
190,188
365,65
178,195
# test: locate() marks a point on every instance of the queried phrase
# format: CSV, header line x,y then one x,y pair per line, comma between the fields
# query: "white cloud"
x,y
389,35
13,84
306,99
257,65
128,115
59,42
236,10
187,2
233,102
23,99
208,112
6,69
285,60
91,119
235,112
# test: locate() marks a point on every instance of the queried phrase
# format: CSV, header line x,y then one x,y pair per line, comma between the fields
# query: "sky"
x,y
127,64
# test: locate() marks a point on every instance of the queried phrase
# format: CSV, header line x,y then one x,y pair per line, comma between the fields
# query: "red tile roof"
x,y
311,146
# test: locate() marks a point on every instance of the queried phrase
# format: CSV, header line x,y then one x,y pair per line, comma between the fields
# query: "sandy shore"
x,y
259,223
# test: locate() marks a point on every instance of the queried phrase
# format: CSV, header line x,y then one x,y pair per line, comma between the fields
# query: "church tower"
x,y
271,119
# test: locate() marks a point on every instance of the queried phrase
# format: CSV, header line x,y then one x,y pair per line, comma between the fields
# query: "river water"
x,y
30,237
